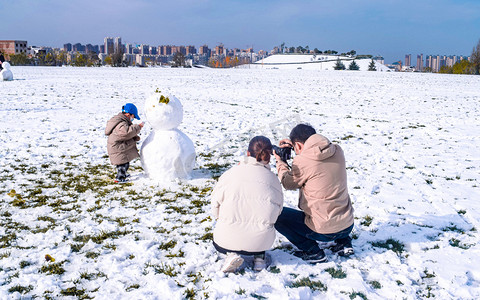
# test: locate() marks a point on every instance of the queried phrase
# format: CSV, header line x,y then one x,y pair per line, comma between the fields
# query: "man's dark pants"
x,y
291,223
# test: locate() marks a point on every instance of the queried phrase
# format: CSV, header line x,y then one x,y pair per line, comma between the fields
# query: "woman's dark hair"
x,y
301,133
260,147
2,58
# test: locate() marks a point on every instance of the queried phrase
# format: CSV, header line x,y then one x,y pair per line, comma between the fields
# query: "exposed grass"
x,y
20,288
305,281
336,273
390,244
53,268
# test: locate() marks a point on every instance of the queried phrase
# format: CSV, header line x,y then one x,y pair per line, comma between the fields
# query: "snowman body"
x,y
167,153
6,73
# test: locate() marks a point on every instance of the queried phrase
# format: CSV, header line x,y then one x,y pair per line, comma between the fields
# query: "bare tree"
x,y
475,58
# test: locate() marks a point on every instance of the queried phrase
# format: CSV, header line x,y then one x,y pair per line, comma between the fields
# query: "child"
x,y
122,139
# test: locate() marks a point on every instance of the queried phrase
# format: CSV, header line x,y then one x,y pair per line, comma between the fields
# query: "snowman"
x,y
6,73
167,153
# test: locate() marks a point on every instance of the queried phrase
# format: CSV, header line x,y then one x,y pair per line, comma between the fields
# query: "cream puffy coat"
x,y
246,202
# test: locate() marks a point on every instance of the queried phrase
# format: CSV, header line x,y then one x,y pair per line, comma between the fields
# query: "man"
x,y
326,214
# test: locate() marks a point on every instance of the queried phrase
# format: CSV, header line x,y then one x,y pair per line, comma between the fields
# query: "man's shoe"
x,y
315,258
121,180
259,263
232,262
343,247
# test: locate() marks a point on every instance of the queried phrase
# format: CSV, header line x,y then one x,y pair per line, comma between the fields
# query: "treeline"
x,y
55,59
465,66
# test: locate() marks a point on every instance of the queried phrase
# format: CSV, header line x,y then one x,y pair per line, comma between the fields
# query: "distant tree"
x,y
50,59
117,59
351,52
282,46
20,59
80,60
353,66
463,67
316,51
108,60
178,60
339,65
446,70
371,66
61,58
291,50
307,49
475,59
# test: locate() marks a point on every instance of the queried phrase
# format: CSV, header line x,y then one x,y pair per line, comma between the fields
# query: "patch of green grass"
x,y
206,237
189,293
428,275
457,243
53,268
24,264
240,291
73,291
92,254
375,284
390,244
367,221
132,287
354,295
91,276
21,289
274,270
453,228
163,269
257,296
336,273
305,281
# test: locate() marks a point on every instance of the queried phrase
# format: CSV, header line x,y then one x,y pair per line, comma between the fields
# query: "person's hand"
x,y
277,158
141,124
285,143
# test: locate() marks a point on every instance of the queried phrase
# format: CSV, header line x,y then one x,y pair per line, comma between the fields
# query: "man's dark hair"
x,y
301,133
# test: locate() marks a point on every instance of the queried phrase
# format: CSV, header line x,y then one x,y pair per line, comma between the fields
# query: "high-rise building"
x,y
109,46
153,50
67,47
219,50
144,49
117,45
204,50
408,60
419,66
191,50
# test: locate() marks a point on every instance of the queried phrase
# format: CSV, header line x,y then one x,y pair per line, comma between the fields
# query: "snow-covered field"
x,y
411,142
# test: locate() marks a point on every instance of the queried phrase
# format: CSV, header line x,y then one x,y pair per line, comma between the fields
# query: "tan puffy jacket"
x,y
246,202
122,139
319,171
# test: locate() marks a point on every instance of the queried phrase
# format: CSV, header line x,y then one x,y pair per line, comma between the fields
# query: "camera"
x,y
284,153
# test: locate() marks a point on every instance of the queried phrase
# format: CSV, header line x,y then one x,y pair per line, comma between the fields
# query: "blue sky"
x,y
391,28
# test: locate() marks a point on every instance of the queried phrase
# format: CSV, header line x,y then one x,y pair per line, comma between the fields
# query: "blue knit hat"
x,y
130,108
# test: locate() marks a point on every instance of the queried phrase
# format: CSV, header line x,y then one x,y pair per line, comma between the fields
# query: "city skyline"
x,y
388,29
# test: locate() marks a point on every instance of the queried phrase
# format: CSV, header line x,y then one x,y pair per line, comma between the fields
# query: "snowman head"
x,y
163,110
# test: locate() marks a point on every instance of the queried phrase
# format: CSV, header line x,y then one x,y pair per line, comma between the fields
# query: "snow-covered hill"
x,y
311,62
411,145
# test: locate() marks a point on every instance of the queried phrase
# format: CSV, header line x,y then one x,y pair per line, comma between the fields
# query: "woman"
x,y
246,202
